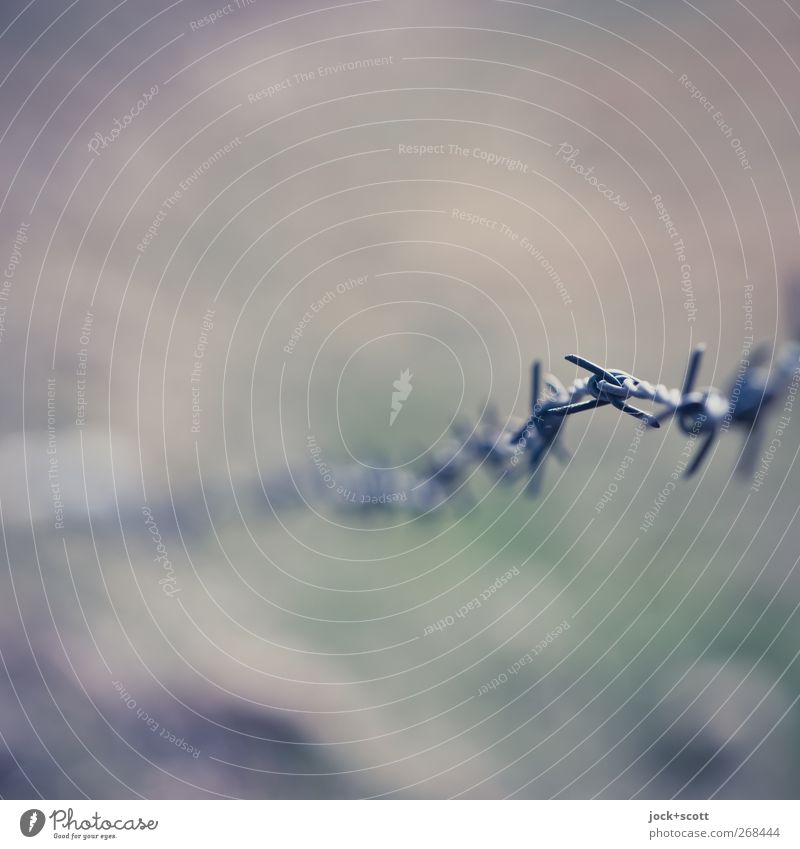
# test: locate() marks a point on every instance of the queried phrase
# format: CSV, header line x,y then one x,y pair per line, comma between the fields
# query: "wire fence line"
x,y
513,451
520,448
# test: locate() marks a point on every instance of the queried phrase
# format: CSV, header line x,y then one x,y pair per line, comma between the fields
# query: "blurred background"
x,y
227,231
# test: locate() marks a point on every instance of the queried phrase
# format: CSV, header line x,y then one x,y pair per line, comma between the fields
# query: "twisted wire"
x,y
700,413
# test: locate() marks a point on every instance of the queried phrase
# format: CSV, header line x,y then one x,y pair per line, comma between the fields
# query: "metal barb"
x,y
606,386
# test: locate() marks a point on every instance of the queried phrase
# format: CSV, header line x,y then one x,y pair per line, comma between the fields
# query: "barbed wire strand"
x,y
702,413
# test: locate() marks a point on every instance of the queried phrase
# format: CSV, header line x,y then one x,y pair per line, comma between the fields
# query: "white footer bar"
x,y
389,824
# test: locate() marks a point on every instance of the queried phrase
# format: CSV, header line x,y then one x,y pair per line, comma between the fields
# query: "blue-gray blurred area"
x,y
264,265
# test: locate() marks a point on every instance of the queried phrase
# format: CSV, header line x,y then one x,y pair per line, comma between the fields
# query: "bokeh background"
x,y
184,609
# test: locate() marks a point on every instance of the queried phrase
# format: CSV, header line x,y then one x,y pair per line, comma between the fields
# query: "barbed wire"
x,y
702,413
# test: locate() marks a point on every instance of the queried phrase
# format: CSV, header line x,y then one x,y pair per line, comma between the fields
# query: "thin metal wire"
x,y
705,412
